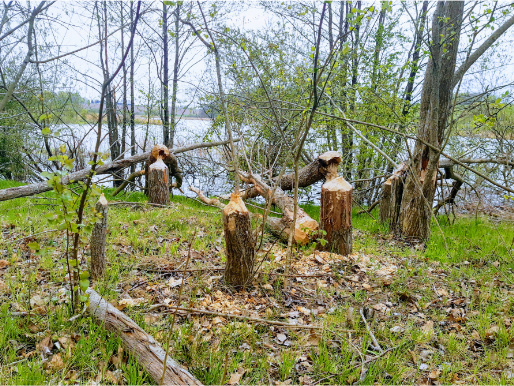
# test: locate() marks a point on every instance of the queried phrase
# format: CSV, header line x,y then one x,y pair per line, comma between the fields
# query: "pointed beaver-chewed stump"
x,y
336,216
239,242
158,180
97,244
391,199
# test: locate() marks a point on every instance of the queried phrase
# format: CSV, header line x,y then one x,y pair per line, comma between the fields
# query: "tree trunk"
x,y
150,355
132,96
336,216
390,203
176,65
97,244
165,78
419,189
40,187
310,174
239,242
305,226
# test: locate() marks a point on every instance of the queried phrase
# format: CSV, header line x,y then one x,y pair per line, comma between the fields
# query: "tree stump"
x,y
336,216
239,242
390,202
97,244
158,180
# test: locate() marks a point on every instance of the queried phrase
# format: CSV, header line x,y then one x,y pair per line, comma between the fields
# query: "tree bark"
x,y
418,196
336,216
165,78
239,242
149,353
391,199
176,65
97,244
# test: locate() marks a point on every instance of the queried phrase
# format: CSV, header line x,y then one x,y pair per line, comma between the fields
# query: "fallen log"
x,y
310,174
150,355
40,187
305,226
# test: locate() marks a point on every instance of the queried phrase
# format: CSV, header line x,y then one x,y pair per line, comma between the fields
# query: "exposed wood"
x,y
310,174
239,241
98,236
158,183
40,187
305,226
336,216
150,355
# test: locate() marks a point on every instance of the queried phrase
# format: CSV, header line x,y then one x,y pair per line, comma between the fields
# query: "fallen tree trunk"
x,y
305,226
150,355
40,187
308,175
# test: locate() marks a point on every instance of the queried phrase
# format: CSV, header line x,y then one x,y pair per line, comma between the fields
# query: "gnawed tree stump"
x,y
97,243
239,240
158,152
149,354
336,214
391,199
158,179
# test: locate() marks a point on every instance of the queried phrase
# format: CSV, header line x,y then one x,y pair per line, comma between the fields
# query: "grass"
x,y
448,307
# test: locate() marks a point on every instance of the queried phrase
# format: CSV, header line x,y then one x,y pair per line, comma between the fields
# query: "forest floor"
x,y
440,314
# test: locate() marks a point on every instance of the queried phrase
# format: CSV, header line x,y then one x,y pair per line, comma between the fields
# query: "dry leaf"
x,y
434,375
281,337
45,346
441,292
236,377
3,264
56,363
428,327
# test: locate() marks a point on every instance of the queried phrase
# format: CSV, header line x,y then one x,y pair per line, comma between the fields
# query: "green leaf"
x,y
84,284
46,131
84,275
34,246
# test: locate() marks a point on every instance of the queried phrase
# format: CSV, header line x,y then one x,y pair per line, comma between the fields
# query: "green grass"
x,y
142,238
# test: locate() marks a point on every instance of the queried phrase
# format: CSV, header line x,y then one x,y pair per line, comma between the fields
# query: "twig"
x,y
370,332
249,318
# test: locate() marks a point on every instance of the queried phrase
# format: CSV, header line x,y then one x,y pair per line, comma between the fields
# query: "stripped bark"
x,y
97,244
40,187
150,355
240,243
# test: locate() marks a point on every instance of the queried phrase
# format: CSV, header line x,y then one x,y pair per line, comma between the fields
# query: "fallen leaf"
x,y
441,292
434,375
3,264
428,327
45,346
236,377
281,337
397,329
56,363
